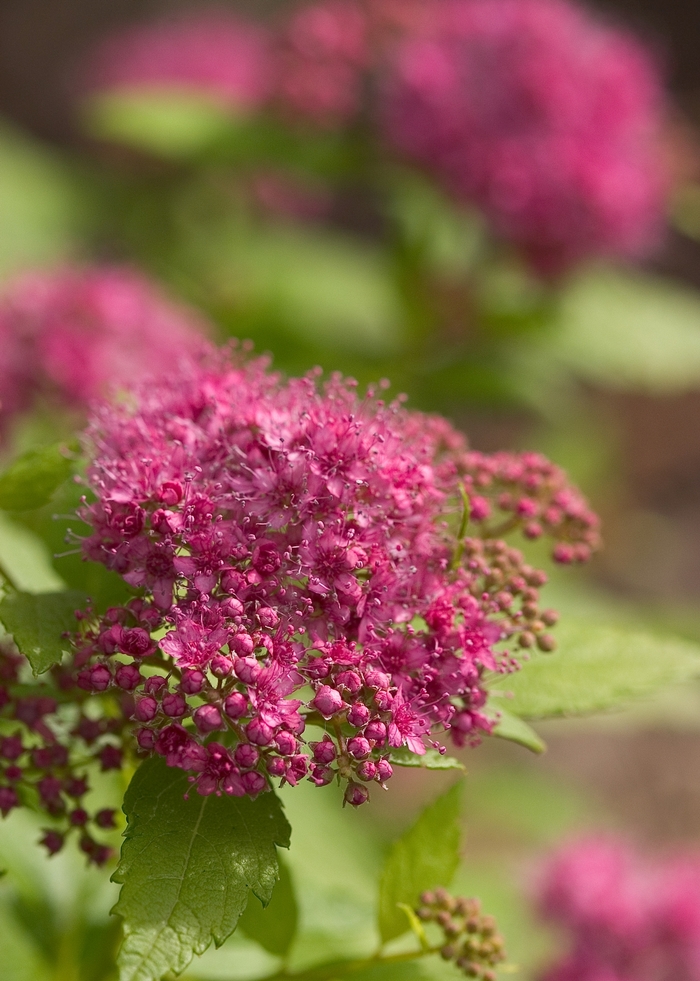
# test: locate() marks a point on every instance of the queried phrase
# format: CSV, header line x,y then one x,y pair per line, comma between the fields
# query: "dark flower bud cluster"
x,y
471,939
45,750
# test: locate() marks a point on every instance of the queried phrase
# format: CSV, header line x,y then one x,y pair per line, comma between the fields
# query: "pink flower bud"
x,y
146,739
192,681
479,508
383,700
268,617
276,766
356,794
174,705
235,705
350,680
127,677
358,715
247,669
253,782
111,758
328,701
155,684
375,678
207,718
242,643
286,744
384,770
78,817
321,775
221,666
259,732
146,709
231,607
367,770
359,747
96,678
563,553
325,751
246,756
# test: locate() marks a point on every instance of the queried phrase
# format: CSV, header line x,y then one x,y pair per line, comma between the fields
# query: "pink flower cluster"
x,y
70,335
630,919
300,556
213,52
544,118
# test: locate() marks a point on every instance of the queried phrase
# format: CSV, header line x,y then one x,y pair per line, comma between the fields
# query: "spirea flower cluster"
x,y
303,556
211,52
544,118
629,918
70,335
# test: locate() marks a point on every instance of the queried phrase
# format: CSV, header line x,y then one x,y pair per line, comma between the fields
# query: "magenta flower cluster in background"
x,y
70,335
628,918
545,118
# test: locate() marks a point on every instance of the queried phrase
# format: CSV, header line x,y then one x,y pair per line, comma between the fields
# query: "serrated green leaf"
x,y
432,760
511,727
31,480
38,622
187,868
274,926
424,857
598,668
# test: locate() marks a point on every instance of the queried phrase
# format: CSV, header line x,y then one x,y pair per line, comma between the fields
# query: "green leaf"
x,y
25,559
598,668
176,124
273,927
187,868
38,622
426,856
433,760
626,330
511,727
31,480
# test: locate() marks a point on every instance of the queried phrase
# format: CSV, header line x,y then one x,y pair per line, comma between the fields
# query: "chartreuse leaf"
x,y
187,868
426,856
31,480
176,124
511,727
274,926
432,760
627,330
596,668
38,623
25,559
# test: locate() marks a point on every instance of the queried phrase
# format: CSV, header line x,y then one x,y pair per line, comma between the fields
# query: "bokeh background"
x,y
323,255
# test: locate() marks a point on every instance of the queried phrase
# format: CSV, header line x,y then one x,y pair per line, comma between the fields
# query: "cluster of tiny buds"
x,y
472,941
508,587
